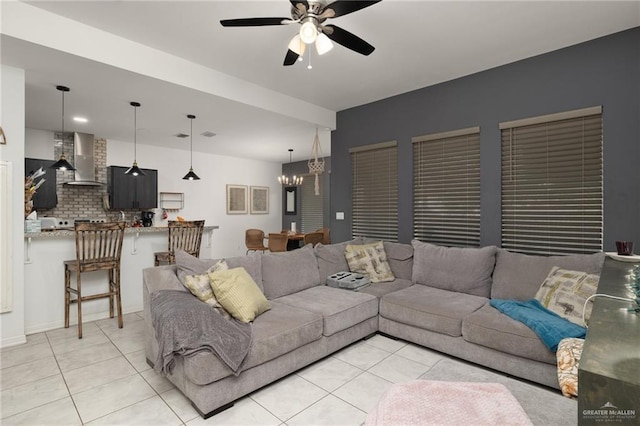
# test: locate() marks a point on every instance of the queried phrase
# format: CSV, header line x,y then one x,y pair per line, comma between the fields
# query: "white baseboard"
x,y
13,341
39,328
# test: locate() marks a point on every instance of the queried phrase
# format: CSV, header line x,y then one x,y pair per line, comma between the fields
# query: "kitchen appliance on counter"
x,y
147,218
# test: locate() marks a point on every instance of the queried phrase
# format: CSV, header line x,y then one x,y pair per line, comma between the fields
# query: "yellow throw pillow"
x,y
238,294
370,260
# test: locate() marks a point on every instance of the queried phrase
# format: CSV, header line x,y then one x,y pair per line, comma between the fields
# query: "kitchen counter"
x,y
45,253
128,230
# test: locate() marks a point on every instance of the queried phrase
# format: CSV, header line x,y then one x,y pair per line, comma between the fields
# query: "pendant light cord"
x,y
135,134
62,121
191,144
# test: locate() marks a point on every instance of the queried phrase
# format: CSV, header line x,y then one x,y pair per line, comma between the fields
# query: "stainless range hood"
x,y
84,162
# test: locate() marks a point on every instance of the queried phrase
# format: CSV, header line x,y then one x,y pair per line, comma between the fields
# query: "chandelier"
x,y
291,180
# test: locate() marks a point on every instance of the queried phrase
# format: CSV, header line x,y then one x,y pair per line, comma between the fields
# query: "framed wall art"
x,y
259,199
237,199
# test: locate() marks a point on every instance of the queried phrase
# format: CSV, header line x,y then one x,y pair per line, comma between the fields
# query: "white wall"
x,y
206,198
12,89
39,144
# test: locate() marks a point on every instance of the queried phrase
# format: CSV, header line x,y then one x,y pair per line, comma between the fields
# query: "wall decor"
x,y
259,199
3,139
237,199
290,200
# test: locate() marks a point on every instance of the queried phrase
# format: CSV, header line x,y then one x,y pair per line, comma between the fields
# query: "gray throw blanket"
x,y
186,326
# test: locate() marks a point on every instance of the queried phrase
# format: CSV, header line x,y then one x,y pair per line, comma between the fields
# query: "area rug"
x,y
425,402
544,406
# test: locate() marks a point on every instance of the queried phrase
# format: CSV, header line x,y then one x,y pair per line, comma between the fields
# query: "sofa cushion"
x,y
380,289
238,294
340,309
369,260
400,258
276,332
289,272
331,258
490,328
465,270
187,264
430,308
518,276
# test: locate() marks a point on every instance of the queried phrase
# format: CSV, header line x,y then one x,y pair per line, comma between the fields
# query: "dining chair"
x,y
313,238
254,240
183,235
278,241
326,239
98,248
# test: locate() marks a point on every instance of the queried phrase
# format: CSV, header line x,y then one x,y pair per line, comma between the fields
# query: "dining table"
x,y
294,240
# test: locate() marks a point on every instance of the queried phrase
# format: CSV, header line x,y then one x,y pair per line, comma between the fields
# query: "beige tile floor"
x,y
103,379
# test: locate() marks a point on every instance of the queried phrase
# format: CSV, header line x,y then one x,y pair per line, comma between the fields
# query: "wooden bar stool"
x,y
98,248
183,235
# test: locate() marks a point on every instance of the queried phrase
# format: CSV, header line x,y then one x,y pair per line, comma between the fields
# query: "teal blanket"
x,y
550,327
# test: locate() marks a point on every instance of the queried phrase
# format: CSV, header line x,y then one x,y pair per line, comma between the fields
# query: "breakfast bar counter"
x,y
45,253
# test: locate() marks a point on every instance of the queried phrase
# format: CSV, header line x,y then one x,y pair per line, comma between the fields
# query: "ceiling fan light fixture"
x,y
308,32
297,46
323,44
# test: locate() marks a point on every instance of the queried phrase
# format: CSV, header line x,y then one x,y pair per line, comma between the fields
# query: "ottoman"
x,y
425,402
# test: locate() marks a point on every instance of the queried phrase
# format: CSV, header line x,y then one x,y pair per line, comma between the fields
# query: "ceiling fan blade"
x,y
254,22
344,7
348,40
290,58
301,5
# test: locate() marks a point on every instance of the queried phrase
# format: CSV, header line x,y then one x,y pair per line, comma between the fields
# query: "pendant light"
x,y
62,163
191,175
134,170
292,180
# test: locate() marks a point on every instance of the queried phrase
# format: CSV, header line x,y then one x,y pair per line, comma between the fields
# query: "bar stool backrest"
x,y
185,235
98,245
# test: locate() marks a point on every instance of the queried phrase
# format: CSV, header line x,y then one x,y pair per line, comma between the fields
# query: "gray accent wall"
x,y
302,168
605,71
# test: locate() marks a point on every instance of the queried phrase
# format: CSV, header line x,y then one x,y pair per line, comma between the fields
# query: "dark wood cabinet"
x,y
46,196
132,192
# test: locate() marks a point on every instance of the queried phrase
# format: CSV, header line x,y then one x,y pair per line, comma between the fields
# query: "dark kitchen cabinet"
x,y
46,196
132,192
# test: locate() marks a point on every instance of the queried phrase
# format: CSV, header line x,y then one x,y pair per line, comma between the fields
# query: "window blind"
x,y
446,188
552,194
312,211
374,192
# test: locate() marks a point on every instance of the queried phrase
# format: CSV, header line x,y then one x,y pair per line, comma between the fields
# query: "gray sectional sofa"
x,y
439,299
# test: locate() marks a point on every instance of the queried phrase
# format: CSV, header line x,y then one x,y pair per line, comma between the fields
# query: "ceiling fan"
x,y
311,16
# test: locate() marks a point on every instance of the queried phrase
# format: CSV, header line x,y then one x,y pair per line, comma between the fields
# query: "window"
x,y
552,183
374,191
312,211
446,188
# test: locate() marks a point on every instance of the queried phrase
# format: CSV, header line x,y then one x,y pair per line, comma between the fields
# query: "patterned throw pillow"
x,y
565,292
568,355
200,286
370,260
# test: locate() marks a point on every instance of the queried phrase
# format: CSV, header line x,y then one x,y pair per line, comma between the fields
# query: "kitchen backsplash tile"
x,y
82,201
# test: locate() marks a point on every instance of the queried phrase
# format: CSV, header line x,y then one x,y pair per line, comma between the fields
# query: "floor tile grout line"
x,y
73,401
